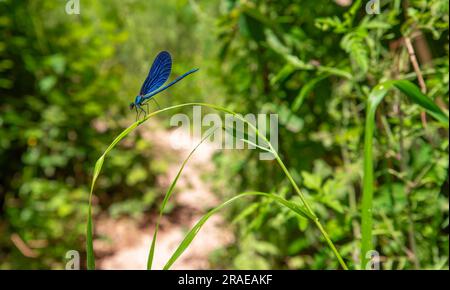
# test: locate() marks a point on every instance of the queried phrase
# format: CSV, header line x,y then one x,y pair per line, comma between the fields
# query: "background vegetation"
x,y
66,80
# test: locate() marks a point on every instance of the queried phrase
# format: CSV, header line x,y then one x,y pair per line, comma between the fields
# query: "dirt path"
x,y
129,240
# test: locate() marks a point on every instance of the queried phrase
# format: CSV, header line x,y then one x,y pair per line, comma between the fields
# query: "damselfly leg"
x,y
154,100
140,110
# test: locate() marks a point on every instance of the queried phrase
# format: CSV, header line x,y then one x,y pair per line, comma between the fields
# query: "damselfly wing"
x,y
159,73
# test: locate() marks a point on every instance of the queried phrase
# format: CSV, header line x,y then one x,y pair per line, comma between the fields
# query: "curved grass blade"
x,y
166,199
99,163
376,96
97,169
256,146
300,210
98,166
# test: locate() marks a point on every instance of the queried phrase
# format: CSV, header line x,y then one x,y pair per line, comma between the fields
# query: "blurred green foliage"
x,y
66,80
62,77
313,63
62,94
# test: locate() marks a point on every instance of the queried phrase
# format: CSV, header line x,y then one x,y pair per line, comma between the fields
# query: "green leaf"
x,y
311,181
413,93
47,83
416,96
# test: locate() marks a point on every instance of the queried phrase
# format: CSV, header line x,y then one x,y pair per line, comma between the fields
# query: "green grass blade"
x,y
300,210
307,208
97,169
98,166
90,243
376,96
366,209
256,146
166,199
89,238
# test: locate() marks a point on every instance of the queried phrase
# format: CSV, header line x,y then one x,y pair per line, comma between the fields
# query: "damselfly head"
x,y
132,106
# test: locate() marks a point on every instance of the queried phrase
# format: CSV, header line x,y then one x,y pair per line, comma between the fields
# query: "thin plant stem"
x,y
308,207
298,191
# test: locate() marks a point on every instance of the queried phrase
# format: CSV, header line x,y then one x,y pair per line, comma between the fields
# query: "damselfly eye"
x,y
131,106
